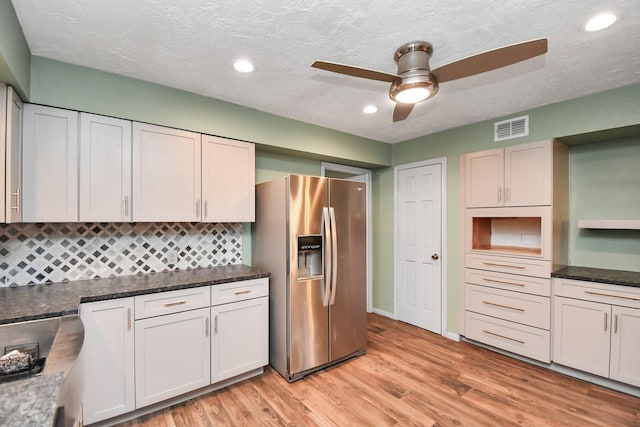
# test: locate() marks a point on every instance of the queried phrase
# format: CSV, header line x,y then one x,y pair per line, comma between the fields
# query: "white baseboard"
x,y
452,336
383,313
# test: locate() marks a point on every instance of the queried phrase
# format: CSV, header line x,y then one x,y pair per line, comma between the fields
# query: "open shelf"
x,y
610,224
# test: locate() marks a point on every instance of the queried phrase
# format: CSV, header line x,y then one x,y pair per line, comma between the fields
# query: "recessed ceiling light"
x,y
370,109
243,66
600,22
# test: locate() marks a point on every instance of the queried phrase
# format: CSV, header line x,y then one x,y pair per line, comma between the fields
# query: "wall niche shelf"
x,y
610,224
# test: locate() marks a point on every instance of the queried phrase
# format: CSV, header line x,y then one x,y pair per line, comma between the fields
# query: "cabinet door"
x,y
527,174
105,169
228,180
107,359
625,345
484,178
166,174
13,197
581,335
240,338
172,355
50,164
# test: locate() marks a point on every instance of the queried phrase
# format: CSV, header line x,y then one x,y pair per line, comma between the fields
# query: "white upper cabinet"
x,y
50,164
13,160
228,180
105,169
520,175
166,174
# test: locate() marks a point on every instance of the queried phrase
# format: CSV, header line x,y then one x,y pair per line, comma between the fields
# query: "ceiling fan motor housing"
x,y
413,68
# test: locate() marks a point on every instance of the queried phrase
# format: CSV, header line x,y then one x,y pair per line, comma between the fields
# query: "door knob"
x,y
435,257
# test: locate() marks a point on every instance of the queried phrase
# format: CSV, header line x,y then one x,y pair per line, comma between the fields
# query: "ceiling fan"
x,y
416,82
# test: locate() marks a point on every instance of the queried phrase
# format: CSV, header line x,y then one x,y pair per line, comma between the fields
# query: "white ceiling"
x,y
191,44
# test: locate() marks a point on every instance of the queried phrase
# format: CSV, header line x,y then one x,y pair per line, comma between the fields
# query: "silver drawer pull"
x,y
173,304
242,292
503,282
504,265
503,306
612,296
502,336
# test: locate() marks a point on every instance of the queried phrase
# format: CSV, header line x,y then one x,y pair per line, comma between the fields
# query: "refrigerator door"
x,y
348,314
308,318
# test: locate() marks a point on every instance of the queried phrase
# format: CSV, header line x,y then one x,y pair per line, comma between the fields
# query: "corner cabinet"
x,y
49,164
105,169
107,359
11,129
596,329
166,174
515,232
228,180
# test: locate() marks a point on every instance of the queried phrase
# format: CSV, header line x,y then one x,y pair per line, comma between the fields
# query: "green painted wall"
x,y
605,184
15,56
84,89
610,109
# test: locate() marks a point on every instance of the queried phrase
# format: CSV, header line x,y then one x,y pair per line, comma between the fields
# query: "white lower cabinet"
x,y
240,339
172,355
596,329
107,359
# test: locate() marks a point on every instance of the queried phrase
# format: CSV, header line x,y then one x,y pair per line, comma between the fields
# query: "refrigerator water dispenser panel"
x,y
309,257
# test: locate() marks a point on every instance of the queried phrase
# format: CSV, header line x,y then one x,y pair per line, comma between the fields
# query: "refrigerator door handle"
x,y
334,253
326,232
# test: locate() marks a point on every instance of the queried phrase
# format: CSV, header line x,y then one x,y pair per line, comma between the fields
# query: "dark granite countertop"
x,y
599,275
24,303
30,402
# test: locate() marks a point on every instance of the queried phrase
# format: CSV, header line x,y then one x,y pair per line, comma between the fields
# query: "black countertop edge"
x,y
36,302
599,275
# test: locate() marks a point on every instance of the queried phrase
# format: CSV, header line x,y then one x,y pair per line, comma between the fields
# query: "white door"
x,y
418,246
625,346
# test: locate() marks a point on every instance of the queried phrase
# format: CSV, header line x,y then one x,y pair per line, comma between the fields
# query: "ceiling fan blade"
x,y
354,71
401,111
490,60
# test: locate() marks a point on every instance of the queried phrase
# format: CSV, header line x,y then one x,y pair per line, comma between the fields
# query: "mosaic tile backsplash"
x,y
46,253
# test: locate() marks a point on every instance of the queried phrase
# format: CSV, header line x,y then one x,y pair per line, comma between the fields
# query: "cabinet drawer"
x,y
171,302
526,267
239,291
625,296
532,310
510,282
520,339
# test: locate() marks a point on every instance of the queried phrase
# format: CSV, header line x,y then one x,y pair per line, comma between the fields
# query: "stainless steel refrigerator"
x,y
310,233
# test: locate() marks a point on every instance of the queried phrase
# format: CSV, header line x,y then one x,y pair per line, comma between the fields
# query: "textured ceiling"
x,y
191,44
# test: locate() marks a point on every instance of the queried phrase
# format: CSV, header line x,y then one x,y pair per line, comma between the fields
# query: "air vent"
x,y
512,128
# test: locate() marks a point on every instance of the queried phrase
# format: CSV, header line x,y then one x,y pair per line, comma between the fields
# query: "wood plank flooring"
x,y
409,377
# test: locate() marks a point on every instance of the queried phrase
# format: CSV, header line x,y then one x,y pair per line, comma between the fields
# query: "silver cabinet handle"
x,y
215,325
206,327
503,306
248,291
173,304
206,210
615,324
197,207
16,194
507,190
606,318
503,282
128,319
504,265
499,194
503,336
126,205
611,295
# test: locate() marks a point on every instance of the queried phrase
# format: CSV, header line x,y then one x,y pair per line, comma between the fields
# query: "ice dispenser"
x,y
309,257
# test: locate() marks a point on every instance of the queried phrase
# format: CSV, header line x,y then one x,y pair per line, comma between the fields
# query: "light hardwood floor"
x,y
409,377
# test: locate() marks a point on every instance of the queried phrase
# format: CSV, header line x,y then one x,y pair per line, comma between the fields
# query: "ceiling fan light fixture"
x,y
600,22
413,89
243,66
